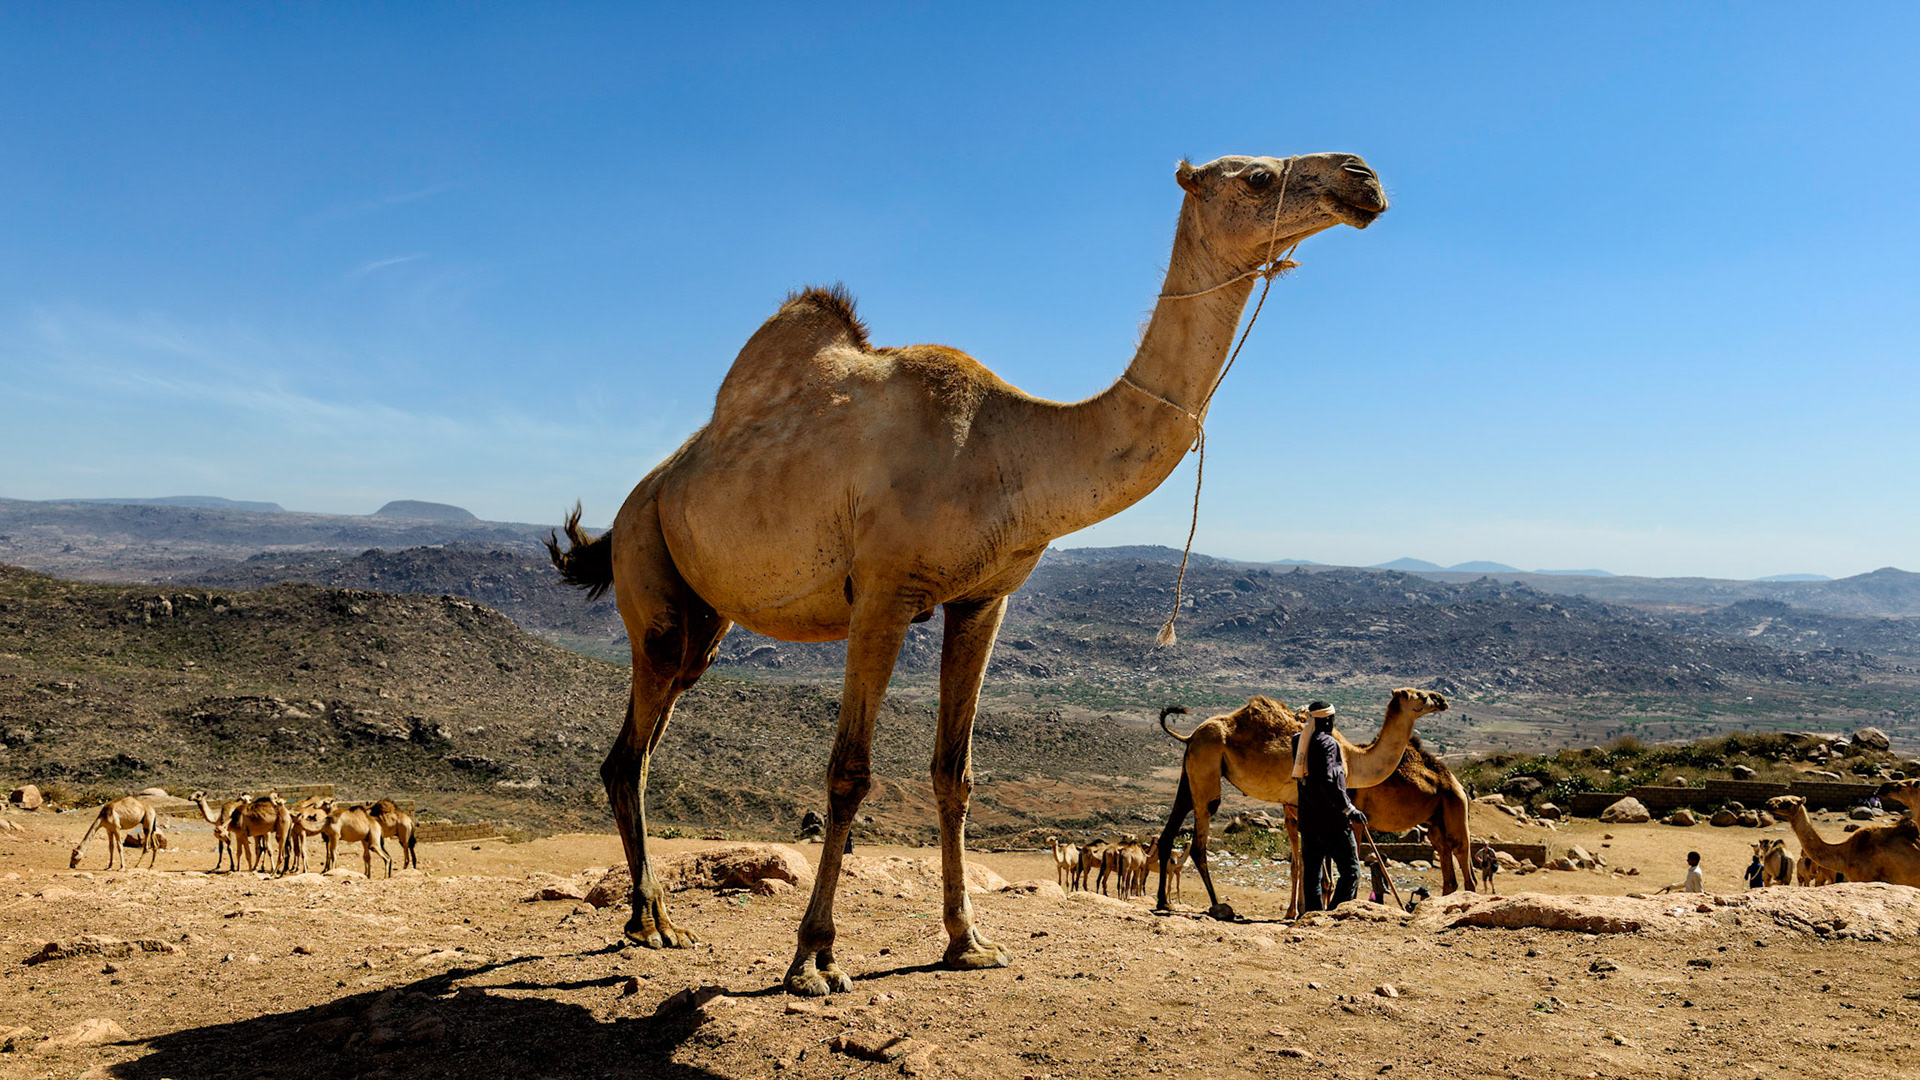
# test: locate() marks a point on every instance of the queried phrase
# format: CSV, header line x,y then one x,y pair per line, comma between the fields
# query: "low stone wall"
x,y
1820,794
444,832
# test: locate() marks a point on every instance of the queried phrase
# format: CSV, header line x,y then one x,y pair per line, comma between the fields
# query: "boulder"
x,y
1579,855
1735,805
1521,787
87,1033
1723,818
1547,811
1861,813
1628,811
1750,819
735,867
1766,820
1585,914
1743,772
1682,817
1824,774
26,798
1494,799
154,793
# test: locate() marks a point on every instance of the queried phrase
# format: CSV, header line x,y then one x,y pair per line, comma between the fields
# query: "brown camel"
x,y
1889,853
1093,858
1422,791
1776,866
844,491
1252,748
260,827
117,817
398,824
1904,792
1066,863
1170,869
223,846
354,825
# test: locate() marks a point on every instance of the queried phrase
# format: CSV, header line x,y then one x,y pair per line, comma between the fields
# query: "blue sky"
x,y
1644,301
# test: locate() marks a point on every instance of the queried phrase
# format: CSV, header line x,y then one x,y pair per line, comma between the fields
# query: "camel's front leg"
x,y
873,645
971,628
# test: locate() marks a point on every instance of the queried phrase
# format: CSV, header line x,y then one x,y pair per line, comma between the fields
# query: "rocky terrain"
x,y
464,972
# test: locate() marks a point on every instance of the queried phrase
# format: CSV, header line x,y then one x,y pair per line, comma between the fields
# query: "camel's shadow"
x,y
426,1030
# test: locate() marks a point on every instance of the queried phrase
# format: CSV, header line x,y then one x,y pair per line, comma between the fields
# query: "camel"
x,y
1093,861
1889,853
1904,792
1171,868
846,491
1252,749
1066,863
1421,792
259,827
307,818
1810,873
355,825
224,848
398,824
120,816
1134,866
1776,866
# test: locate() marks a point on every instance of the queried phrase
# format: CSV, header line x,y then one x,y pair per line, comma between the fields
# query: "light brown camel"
x,y
354,825
1889,853
1134,867
1252,749
1066,863
1809,873
1776,866
398,824
1421,791
1904,792
1093,856
306,818
223,848
260,827
117,817
844,491
1170,869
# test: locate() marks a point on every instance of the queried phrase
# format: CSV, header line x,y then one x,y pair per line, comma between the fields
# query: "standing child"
x,y
1695,882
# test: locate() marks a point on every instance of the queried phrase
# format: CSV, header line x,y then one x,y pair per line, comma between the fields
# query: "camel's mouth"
x,y
1358,215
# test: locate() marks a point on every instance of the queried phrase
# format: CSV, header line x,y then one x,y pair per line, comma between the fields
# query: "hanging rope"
x,y
1268,269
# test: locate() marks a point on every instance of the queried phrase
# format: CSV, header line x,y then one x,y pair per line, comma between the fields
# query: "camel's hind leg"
x,y
1206,803
1182,806
963,664
879,627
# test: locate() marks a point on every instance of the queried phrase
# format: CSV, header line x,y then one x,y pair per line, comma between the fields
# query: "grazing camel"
x,y
1252,748
1421,792
1889,853
117,817
846,491
354,825
1066,863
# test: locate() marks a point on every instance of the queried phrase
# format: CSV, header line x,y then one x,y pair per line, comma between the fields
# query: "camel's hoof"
x,y
974,952
1221,912
659,934
818,982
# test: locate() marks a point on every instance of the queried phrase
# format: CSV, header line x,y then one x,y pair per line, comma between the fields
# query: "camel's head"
x,y
1237,201
74,862
1785,805
1421,702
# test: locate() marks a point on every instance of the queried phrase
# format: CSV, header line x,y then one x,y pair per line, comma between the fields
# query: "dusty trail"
x,y
453,974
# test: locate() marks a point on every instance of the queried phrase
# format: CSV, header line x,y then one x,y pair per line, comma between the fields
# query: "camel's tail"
x,y
588,561
1169,711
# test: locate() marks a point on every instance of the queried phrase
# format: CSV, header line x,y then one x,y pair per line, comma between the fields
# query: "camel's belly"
x,y
1265,788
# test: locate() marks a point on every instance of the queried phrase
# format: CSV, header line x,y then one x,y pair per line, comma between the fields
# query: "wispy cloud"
x,y
375,265
378,203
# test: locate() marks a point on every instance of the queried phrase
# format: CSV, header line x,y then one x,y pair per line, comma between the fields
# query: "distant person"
x,y
1695,882
812,825
1326,813
1486,862
1756,874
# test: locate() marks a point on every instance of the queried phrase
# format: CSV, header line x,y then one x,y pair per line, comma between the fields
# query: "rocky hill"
x,y
105,689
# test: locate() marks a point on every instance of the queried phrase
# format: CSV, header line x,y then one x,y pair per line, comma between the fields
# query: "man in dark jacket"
x,y
1325,810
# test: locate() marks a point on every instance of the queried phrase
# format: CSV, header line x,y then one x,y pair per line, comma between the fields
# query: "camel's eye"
x,y
1259,179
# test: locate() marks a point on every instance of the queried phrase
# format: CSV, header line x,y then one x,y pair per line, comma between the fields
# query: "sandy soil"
x,y
453,973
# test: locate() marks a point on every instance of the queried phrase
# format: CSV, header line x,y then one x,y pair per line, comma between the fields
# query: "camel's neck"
x,y
1371,764
1809,839
1110,451
207,812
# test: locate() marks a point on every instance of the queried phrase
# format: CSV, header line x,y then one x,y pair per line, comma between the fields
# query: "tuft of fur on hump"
x,y
836,303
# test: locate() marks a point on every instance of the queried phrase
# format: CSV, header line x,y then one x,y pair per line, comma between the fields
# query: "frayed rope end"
x,y
1166,635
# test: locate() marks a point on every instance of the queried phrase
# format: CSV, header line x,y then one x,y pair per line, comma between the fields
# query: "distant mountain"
x,y
1795,577
415,510
1408,565
1578,573
197,502
1484,567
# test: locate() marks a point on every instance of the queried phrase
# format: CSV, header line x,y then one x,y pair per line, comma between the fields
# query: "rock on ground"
x,y
737,867
1628,811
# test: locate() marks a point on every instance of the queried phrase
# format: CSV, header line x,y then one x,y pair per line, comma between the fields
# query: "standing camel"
x,y
844,491
354,825
223,846
117,817
1066,863
1252,749
1422,790
1889,853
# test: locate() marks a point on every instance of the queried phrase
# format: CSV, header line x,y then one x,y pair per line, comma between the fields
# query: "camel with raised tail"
x,y
1252,749
1889,853
118,817
847,491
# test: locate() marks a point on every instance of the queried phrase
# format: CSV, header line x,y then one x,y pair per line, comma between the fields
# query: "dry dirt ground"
x,y
454,974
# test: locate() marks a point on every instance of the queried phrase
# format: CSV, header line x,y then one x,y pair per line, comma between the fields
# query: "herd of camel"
x,y
266,829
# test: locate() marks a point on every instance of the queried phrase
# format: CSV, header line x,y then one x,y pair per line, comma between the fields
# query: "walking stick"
x,y
1383,866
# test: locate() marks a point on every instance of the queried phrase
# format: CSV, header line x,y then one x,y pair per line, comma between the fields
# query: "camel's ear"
x,y
1187,176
